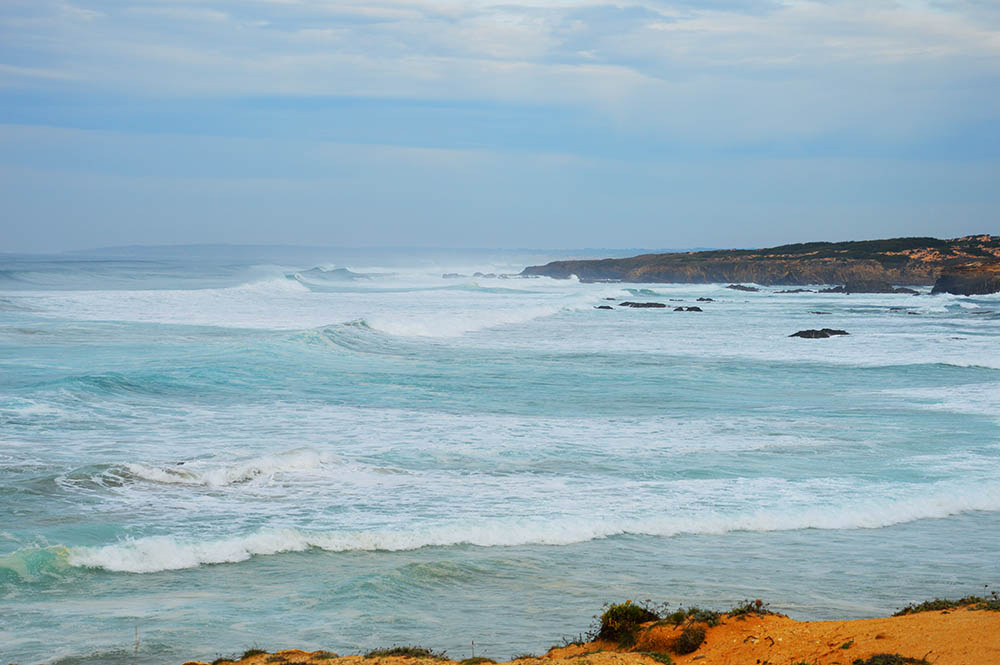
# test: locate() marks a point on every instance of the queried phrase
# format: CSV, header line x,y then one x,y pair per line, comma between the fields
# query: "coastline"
x,y
962,635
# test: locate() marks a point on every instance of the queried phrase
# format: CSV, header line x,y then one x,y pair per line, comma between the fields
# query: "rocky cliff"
x,y
969,279
895,261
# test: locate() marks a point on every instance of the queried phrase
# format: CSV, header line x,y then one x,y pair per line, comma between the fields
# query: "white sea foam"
x,y
213,474
157,553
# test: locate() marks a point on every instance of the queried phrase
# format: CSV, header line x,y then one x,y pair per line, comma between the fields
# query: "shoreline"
x,y
959,633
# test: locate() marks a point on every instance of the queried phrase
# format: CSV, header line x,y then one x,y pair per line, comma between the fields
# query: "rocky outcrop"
x,y
819,334
741,287
969,280
629,303
914,261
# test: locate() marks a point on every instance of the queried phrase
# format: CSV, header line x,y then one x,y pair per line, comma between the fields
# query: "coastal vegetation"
x,y
990,603
630,633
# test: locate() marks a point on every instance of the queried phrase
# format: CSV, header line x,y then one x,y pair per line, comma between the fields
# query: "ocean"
x,y
218,448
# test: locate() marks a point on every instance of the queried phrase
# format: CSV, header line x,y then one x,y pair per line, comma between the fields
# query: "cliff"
x,y
894,261
969,280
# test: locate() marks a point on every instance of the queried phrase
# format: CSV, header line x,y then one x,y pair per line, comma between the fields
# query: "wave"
x,y
196,473
160,553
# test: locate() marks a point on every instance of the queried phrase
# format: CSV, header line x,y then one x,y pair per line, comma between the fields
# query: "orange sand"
x,y
950,637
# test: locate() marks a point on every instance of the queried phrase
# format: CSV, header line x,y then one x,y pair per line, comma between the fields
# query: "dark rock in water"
x,y
897,309
488,275
705,300
629,303
678,309
819,312
452,275
903,289
692,309
334,275
796,291
677,300
969,280
740,287
611,298
603,307
819,334
914,313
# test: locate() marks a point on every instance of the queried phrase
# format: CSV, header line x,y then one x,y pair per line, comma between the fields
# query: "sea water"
x,y
212,449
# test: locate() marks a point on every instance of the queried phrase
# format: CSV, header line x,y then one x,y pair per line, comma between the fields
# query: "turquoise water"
x,y
226,451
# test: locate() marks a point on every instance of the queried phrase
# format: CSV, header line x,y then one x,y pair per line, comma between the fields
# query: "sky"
x,y
534,124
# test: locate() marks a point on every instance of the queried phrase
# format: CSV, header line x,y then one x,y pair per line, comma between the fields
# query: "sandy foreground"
x,y
951,637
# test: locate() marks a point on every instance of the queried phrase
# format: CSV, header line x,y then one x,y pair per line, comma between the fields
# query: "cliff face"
x,y
897,261
969,280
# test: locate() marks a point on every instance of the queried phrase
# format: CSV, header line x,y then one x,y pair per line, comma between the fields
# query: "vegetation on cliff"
x,y
893,261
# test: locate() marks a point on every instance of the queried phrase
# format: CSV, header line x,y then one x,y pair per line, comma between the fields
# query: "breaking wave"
x,y
159,553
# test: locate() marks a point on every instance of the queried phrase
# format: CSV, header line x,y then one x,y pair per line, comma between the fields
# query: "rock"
x,y
819,312
819,334
488,275
692,309
740,287
603,307
796,291
629,303
974,279
678,309
452,275
611,298
903,289
705,300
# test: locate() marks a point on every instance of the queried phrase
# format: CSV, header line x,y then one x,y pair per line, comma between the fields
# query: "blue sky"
x,y
496,124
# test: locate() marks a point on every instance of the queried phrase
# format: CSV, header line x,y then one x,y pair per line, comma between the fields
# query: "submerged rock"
x,y
819,334
603,307
629,303
796,291
740,287
692,309
705,300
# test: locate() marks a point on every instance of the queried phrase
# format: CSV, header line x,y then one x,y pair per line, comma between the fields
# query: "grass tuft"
x,y
476,660
659,657
324,655
252,652
525,656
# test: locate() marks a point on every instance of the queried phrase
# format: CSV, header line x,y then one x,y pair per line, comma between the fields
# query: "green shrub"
x,y
890,659
253,652
525,656
659,657
405,652
620,623
476,660
275,659
698,615
690,639
324,655
749,608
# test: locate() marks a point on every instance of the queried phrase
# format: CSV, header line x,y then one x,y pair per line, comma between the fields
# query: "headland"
x,y
912,261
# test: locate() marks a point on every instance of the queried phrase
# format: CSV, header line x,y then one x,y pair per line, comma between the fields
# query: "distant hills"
x,y
913,261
